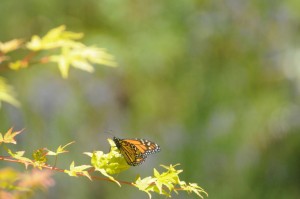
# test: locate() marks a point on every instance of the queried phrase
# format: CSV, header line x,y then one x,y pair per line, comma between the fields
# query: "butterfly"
x,y
135,151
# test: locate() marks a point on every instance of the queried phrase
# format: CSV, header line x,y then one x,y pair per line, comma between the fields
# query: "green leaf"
x,y
168,178
39,157
59,150
145,184
10,45
103,172
9,136
96,55
7,93
76,170
166,182
192,187
112,162
55,38
19,156
8,175
72,53
81,57
17,65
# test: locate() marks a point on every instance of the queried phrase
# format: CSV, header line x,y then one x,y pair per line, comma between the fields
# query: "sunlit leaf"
x,y
109,163
18,65
103,172
9,136
19,156
97,55
10,45
55,38
63,64
166,182
192,187
8,176
7,93
59,150
83,65
76,170
112,162
169,178
40,157
145,184
35,43
72,53
81,57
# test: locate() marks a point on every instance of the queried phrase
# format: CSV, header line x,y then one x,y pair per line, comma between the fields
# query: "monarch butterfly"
x,y
135,151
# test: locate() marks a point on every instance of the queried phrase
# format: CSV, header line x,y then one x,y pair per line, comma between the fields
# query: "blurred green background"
x,y
214,83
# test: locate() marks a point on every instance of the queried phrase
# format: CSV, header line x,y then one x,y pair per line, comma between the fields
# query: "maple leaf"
x,y
7,93
75,170
59,150
10,45
19,156
9,136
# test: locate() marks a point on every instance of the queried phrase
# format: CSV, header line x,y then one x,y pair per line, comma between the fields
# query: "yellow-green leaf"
x,y
72,53
112,162
39,157
81,57
17,65
19,156
10,45
192,187
166,182
145,184
9,136
59,150
55,38
76,170
7,93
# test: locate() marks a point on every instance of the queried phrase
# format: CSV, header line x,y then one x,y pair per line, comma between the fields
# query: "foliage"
x,y
6,93
107,164
61,47
72,53
9,137
58,46
75,170
166,182
216,82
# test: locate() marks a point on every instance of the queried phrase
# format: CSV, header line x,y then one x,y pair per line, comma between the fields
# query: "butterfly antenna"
x,y
109,132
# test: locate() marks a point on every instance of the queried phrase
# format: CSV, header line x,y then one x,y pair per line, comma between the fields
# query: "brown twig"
x,y
49,167
26,61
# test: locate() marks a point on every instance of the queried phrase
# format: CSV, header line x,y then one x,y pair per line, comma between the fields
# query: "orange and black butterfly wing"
x,y
133,160
135,151
131,154
143,146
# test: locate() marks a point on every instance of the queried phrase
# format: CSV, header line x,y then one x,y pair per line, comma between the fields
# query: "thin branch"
x,y
49,167
27,60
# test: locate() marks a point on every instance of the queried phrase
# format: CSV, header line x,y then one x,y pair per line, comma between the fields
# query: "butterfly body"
x,y
135,151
